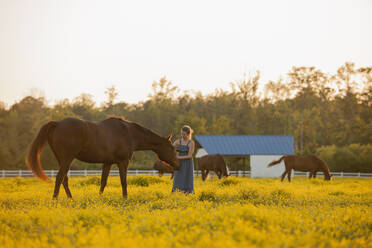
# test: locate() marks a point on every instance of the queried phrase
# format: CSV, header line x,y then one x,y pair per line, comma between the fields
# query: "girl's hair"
x,y
187,129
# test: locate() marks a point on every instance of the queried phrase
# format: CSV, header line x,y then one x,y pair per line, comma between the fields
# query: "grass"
x,y
231,212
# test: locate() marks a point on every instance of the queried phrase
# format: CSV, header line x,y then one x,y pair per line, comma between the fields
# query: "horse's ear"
x,y
169,137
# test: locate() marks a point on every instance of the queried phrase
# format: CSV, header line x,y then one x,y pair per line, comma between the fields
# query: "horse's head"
x,y
328,177
167,153
163,167
227,172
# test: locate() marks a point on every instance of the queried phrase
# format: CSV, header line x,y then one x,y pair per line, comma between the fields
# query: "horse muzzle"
x,y
176,165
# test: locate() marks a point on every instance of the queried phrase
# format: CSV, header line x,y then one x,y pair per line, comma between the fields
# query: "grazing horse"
x,y
310,163
111,141
215,163
162,167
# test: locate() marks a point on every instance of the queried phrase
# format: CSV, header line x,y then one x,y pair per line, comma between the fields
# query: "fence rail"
x,y
81,173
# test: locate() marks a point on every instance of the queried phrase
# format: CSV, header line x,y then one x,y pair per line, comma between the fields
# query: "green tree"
x,y
84,106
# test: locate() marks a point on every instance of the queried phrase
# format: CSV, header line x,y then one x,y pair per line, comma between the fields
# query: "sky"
x,y
65,48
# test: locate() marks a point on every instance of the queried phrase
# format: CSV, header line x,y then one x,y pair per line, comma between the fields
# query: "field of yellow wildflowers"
x,y
222,213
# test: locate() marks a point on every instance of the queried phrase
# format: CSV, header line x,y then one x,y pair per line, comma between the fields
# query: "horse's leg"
x,y
172,175
206,174
65,185
123,166
65,179
219,174
105,173
283,176
314,175
203,174
310,174
62,173
289,175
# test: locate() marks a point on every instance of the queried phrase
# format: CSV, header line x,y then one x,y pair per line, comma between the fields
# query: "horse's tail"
x,y
35,149
275,162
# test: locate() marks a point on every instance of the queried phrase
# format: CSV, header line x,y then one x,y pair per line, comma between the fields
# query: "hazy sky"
x,y
69,47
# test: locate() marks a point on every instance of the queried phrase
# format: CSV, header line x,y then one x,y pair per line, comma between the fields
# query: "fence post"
x,y
136,171
342,174
359,174
3,172
85,172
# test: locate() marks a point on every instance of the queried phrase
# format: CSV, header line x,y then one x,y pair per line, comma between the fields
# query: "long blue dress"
x,y
184,177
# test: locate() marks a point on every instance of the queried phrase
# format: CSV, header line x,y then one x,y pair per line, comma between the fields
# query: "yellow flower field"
x,y
233,212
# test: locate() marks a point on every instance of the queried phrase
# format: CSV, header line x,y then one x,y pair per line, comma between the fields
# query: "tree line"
x,y
327,114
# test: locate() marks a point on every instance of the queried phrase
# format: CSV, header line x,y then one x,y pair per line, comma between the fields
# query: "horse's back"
x,y
211,162
304,163
70,123
92,141
110,129
110,138
205,162
73,127
69,132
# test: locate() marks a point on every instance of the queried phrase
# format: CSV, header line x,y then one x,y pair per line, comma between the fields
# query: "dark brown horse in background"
x,y
111,141
310,163
214,163
163,167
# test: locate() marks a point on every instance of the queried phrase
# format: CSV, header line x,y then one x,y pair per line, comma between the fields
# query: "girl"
x,y
184,177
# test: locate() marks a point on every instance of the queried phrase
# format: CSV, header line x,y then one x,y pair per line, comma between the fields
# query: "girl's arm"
x,y
191,151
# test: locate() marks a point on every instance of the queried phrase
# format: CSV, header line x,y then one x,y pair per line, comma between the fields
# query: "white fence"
x,y
81,173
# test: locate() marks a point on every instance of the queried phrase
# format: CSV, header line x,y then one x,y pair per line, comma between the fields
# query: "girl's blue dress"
x,y
184,177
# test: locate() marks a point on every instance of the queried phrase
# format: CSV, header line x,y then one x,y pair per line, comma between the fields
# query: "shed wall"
x,y
259,166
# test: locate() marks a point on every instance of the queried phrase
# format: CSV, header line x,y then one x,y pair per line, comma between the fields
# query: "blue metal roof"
x,y
246,144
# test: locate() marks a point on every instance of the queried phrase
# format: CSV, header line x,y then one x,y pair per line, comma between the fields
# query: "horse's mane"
x,y
323,165
120,118
143,129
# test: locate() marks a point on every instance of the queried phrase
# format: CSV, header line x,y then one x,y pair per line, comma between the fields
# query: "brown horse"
x,y
111,141
215,163
310,163
163,167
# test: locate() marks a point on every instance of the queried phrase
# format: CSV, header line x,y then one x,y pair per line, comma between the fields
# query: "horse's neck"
x,y
325,169
145,139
